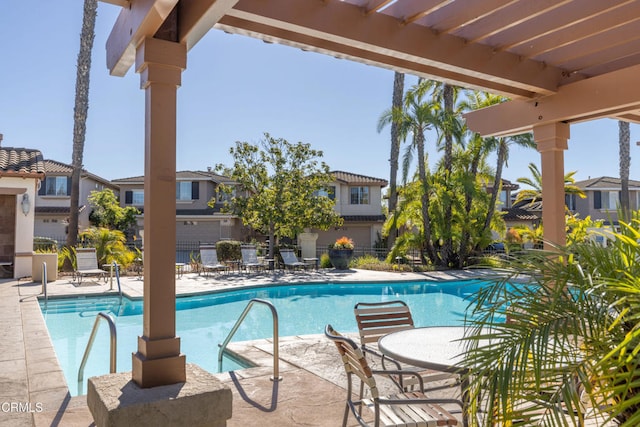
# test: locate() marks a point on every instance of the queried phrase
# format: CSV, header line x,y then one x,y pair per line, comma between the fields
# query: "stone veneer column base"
x,y
115,400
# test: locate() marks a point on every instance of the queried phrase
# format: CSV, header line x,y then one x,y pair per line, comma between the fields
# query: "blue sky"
x,y
234,88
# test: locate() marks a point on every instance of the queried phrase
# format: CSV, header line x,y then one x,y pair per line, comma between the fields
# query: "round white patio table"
x,y
435,347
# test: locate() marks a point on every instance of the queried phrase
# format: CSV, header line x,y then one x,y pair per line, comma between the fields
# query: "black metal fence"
x,y
187,250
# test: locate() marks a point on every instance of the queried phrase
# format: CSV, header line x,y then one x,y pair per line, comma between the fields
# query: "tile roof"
x,y
181,175
363,218
22,162
55,167
56,210
519,214
604,182
506,185
352,178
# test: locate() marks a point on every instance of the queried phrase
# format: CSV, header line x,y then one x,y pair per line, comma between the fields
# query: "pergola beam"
x,y
141,19
610,95
197,18
305,42
345,24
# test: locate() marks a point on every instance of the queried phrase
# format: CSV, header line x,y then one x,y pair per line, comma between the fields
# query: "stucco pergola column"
x,y
551,140
158,360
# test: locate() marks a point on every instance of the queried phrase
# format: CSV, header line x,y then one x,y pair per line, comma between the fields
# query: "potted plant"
x,y
341,252
45,251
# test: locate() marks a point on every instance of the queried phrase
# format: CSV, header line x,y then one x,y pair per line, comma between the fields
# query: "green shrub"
x,y
228,250
65,254
325,262
44,245
370,262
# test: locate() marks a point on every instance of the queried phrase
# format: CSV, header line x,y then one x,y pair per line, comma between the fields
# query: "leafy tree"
x,y
282,182
108,213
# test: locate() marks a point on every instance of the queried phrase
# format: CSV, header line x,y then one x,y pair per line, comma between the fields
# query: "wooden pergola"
x,y
558,61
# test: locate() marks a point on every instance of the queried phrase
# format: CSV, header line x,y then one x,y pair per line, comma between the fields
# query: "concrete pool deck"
x,y
33,390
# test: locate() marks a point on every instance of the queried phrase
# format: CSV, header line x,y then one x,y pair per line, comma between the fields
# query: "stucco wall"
x,y
24,224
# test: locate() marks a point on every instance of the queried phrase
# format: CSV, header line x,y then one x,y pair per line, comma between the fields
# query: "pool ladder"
x,y
274,313
87,350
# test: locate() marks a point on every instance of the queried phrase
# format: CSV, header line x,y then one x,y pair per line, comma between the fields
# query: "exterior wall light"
x,y
25,204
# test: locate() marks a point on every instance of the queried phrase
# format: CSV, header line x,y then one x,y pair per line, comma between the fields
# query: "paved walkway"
x,y
33,390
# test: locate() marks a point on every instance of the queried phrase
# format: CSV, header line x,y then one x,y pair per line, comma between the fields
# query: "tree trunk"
x,y
272,238
447,249
464,250
80,113
398,91
497,182
625,161
422,173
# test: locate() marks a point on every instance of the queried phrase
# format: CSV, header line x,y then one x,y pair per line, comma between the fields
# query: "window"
x,y
134,197
503,198
570,201
329,192
187,190
597,200
138,197
359,195
55,186
614,200
608,200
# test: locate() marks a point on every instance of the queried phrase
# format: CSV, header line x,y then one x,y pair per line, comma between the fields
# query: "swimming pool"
x,y
203,321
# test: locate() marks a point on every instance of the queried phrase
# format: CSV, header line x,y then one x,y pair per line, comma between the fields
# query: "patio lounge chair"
x,y
402,409
209,260
87,265
376,319
250,258
291,261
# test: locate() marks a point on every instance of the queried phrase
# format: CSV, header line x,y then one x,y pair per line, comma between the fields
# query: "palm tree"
x,y
449,129
571,343
625,160
398,91
501,145
414,119
535,193
80,113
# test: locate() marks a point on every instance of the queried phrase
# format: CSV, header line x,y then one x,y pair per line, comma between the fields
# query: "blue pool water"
x,y
204,321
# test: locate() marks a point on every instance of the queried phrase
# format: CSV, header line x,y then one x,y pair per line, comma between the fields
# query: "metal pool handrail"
x,y
117,267
44,282
276,360
87,350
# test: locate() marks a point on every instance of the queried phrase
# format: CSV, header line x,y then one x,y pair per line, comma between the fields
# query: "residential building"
x,y
359,202
21,171
504,200
196,221
603,198
53,200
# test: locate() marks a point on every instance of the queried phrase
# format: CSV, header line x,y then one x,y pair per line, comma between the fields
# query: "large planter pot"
x,y
340,258
51,259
